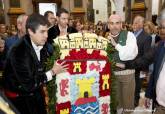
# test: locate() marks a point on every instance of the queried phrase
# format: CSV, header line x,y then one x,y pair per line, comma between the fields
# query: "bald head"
x,y
161,19
21,23
139,19
161,24
116,17
115,24
138,23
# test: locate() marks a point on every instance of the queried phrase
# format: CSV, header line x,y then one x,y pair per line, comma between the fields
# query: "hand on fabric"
x,y
120,65
59,67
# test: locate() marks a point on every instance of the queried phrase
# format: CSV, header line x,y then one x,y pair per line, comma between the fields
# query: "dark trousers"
x,y
138,85
30,104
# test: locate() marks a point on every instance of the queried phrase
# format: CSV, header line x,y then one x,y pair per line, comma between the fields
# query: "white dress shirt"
x,y
130,50
37,49
160,87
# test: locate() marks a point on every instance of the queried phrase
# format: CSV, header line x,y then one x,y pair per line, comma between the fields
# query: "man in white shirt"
x,y
155,89
24,73
126,49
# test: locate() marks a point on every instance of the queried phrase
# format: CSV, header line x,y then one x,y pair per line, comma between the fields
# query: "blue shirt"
x,y
9,42
136,33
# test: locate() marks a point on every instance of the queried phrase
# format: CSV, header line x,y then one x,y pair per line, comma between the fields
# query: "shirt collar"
x,y
136,33
63,29
36,48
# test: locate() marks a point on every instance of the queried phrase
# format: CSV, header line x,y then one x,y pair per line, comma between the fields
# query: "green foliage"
x,y
113,106
51,86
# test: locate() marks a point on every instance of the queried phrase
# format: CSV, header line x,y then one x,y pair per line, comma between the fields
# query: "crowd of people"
x,y
140,51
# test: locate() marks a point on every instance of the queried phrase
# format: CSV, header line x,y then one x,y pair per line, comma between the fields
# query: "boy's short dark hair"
x,y
47,13
60,11
34,21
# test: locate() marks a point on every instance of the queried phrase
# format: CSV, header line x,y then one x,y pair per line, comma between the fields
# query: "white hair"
x,y
20,18
160,17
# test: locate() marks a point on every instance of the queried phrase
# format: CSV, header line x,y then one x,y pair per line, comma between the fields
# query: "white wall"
x,y
119,4
155,7
67,4
101,6
43,7
27,6
113,7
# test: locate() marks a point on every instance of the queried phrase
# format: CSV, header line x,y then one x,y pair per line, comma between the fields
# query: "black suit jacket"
x,y
24,73
54,31
143,43
144,46
158,60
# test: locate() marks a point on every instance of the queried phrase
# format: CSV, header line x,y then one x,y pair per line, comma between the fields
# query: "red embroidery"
x,y
63,87
104,108
106,70
62,107
81,101
93,66
83,55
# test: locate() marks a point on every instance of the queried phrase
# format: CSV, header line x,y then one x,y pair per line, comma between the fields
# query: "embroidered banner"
x,y
85,87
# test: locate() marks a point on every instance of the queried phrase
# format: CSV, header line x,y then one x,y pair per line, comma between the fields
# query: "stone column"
x,y
128,4
160,6
6,7
148,4
119,4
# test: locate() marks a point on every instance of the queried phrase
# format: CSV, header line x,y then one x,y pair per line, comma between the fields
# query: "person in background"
x,y
144,45
85,27
13,30
2,45
2,58
62,27
71,23
151,29
21,31
91,28
3,31
156,55
99,26
78,25
156,84
49,15
10,41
